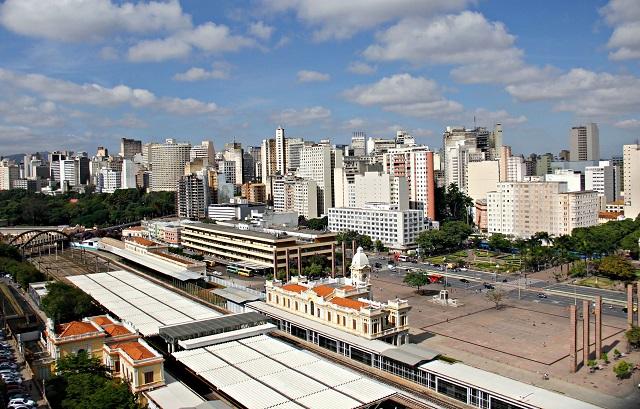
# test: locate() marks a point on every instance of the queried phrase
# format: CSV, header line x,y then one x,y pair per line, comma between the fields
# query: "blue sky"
x,y
75,74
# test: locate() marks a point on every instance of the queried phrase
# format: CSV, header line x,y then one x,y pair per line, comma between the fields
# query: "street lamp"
x,y
495,273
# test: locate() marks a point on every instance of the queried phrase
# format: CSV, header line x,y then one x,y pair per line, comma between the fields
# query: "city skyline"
x,y
86,76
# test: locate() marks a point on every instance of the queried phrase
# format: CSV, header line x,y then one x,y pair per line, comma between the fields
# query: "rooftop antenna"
x,y
474,121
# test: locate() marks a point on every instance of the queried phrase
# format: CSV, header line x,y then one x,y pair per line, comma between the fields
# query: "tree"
x,y
81,362
622,369
499,241
362,240
496,296
604,357
592,363
578,269
416,279
379,246
313,270
318,224
617,268
633,336
450,236
64,303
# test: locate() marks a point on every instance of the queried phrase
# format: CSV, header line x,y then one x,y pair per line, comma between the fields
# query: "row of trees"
x,y
64,303
21,272
451,236
83,382
20,207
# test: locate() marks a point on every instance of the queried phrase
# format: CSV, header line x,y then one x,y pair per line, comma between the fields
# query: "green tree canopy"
x,y
450,236
499,241
362,240
622,369
617,267
416,279
633,336
64,303
452,204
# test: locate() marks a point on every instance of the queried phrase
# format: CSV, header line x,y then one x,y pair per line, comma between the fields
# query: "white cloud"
x,y
339,19
282,42
406,95
488,118
220,71
624,17
353,123
82,20
208,37
453,39
93,94
628,124
127,121
261,30
28,111
312,76
293,117
359,67
584,92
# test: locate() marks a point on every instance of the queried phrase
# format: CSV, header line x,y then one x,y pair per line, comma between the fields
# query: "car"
x,y
542,295
391,267
488,286
22,401
463,269
504,280
377,265
464,280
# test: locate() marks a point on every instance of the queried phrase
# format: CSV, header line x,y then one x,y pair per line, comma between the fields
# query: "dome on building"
x,y
360,259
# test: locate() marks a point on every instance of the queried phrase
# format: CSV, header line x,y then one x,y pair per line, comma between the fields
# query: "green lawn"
x,y
597,282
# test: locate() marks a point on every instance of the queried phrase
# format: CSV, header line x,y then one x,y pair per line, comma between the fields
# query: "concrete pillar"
x,y
573,338
333,260
344,260
275,264
353,248
585,332
598,313
299,261
286,254
629,305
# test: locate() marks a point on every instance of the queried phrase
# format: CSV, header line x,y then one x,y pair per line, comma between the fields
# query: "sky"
x,y
77,74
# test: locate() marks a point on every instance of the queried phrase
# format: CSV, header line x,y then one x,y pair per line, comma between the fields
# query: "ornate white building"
x,y
344,303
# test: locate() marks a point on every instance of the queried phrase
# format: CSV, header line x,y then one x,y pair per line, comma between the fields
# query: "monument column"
x,y
286,268
598,313
629,305
573,338
333,260
585,332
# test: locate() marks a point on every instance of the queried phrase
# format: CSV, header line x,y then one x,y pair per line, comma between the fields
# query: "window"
x,y
116,366
354,324
148,377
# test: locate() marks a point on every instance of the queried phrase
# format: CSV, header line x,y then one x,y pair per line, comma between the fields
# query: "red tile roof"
x,y
115,330
348,288
134,349
322,290
294,288
143,242
75,328
138,228
609,215
348,303
102,320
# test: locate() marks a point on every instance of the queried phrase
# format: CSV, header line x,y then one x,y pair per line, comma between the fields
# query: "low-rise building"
x,y
117,345
261,246
344,304
397,229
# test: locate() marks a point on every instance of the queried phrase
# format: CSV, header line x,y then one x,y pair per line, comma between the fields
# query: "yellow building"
x,y
344,303
116,344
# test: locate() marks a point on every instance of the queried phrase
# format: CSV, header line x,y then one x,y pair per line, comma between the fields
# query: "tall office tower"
x,y
68,172
359,143
54,164
315,164
603,179
256,155
147,155
233,152
295,194
83,165
9,173
281,151
129,147
203,151
129,171
631,163
543,164
228,169
380,187
585,142
192,196
109,180
461,146
617,160
248,168
416,165
522,209
293,147
167,163
496,138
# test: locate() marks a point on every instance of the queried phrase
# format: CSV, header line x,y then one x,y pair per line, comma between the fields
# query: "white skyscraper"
x,y
109,180
129,171
9,173
167,164
604,180
585,142
281,155
315,164
631,158
69,172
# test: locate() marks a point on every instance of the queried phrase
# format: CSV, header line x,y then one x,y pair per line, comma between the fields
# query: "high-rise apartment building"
x,y
461,146
9,173
605,180
129,148
482,178
359,143
192,196
316,165
233,152
295,194
293,147
585,142
129,171
379,187
203,151
109,180
631,163
167,164
573,178
69,172
416,165
254,192
522,209
281,151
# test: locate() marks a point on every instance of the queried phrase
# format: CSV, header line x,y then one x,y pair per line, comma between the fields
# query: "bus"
x,y
240,270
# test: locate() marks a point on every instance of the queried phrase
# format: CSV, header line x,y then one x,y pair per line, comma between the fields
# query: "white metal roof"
x,y
174,395
502,386
141,302
263,372
224,336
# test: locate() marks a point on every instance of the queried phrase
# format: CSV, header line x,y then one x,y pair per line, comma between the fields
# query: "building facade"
x,y
416,165
168,161
585,142
631,163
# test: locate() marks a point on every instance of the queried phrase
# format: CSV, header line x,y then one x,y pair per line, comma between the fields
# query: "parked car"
x,y
488,286
464,280
463,269
391,267
504,280
542,295
377,265
22,401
